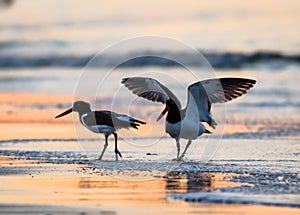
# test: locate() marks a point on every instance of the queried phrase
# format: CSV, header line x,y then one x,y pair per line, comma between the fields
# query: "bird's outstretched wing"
x,y
150,89
206,92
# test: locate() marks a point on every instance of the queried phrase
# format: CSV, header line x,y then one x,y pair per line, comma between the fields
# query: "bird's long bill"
x,y
163,113
64,113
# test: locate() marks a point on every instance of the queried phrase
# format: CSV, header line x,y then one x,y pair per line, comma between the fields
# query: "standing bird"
x,y
102,121
187,123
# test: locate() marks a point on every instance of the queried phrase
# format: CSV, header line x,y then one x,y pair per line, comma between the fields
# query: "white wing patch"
x,y
123,118
104,129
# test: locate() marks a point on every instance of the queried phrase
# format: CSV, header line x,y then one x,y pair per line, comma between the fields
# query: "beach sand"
x,y
32,187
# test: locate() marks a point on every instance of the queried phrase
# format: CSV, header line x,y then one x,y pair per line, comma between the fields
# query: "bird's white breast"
x,y
186,129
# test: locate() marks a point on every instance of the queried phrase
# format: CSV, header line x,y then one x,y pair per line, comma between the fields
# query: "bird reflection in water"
x,y
184,182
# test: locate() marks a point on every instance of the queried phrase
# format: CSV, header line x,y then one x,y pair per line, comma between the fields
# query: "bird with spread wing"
x,y
187,123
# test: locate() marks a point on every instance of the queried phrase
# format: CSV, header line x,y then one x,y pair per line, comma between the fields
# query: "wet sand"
x,y
32,187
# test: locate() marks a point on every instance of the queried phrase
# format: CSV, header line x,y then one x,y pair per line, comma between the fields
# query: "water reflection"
x,y
184,182
91,182
171,182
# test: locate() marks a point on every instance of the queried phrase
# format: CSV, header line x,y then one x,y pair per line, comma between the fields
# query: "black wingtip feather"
x,y
124,80
138,121
135,123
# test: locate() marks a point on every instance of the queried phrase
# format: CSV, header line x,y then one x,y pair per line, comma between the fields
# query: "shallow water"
x,y
76,189
267,170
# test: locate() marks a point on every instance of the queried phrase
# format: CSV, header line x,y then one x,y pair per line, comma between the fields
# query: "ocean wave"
x,y
235,198
270,104
39,140
219,60
265,134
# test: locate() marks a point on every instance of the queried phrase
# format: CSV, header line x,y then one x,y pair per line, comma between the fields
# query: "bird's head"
x,y
169,104
78,106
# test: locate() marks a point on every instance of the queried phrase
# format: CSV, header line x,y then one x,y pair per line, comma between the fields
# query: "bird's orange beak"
x,y
64,113
163,113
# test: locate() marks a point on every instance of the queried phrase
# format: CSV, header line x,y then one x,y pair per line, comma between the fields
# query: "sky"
x,y
216,25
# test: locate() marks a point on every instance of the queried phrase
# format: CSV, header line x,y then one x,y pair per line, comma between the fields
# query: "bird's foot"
x,y
178,159
118,153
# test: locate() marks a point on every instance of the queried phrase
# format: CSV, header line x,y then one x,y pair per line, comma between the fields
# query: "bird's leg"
x,y
116,146
178,147
104,148
183,153
178,150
